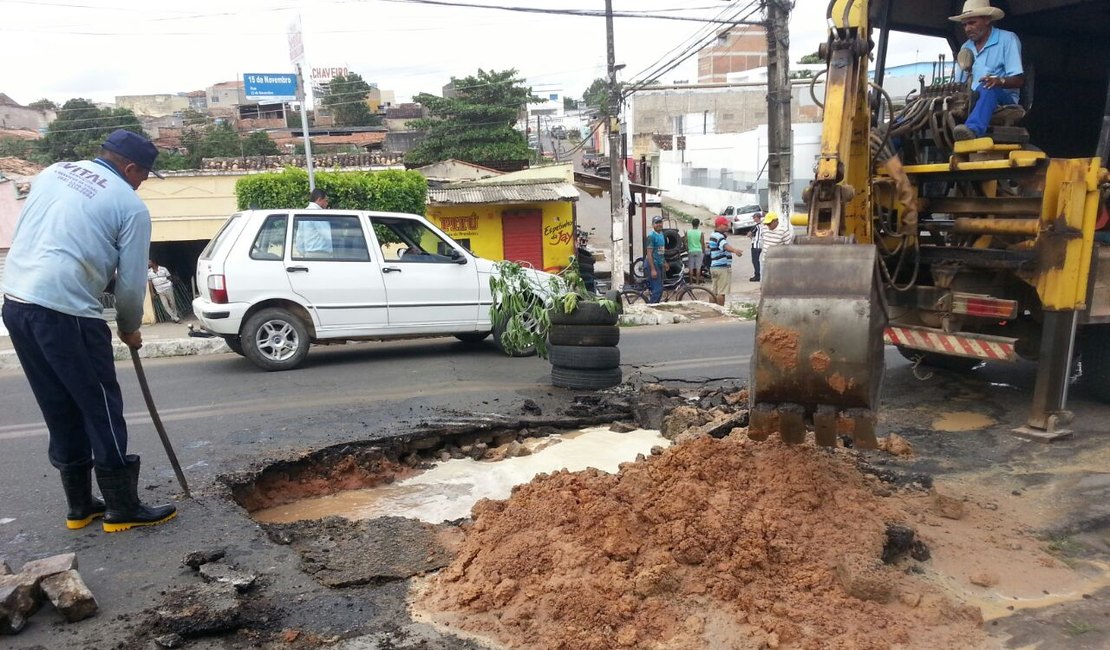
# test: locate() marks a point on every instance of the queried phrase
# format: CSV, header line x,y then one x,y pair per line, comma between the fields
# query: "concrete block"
x,y
20,597
70,596
224,574
49,566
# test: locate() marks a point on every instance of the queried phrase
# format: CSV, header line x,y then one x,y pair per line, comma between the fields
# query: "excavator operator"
x,y
997,72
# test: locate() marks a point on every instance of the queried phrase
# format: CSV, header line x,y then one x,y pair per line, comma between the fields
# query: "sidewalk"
x,y
159,340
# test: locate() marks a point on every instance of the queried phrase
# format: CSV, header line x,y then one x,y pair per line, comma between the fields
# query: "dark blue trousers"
x,y
68,362
989,100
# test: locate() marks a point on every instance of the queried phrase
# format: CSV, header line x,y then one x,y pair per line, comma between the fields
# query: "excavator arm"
x,y
819,335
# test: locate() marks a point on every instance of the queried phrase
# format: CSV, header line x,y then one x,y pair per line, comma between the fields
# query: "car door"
x,y
330,266
431,283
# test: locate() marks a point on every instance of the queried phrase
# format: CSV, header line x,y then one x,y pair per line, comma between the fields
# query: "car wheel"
x,y
472,337
274,339
235,344
528,351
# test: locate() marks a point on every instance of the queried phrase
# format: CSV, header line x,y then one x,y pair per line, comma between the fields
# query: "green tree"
x,y
346,99
811,58
218,141
477,124
259,144
597,95
80,129
43,105
569,104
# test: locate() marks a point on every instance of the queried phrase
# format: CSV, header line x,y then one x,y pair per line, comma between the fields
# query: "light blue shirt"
x,y
82,226
1000,57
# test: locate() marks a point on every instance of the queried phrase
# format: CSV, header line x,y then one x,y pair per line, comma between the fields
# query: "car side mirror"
x,y
457,257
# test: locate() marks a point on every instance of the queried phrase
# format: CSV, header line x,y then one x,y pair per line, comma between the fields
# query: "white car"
x,y
742,220
273,281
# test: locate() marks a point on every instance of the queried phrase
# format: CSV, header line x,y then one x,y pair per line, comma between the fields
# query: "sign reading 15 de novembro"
x,y
277,86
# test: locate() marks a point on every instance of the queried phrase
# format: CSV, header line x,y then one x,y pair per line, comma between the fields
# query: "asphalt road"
x,y
224,416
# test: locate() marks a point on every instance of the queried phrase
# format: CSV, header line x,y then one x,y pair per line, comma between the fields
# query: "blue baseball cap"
x,y
133,147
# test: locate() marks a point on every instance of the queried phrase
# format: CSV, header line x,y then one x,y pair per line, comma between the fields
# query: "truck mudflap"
x,y
818,354
961,344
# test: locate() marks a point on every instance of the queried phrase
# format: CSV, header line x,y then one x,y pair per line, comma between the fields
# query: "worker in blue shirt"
x,y
655,259
83,226
997,74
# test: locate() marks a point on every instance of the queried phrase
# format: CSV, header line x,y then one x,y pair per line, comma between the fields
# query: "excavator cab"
x,y
956,252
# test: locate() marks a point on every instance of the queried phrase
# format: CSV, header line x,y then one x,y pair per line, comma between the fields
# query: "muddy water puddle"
x,y
954,421
449,490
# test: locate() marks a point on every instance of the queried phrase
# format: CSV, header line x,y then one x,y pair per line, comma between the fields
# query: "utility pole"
x,y
780,140
304,130
616,163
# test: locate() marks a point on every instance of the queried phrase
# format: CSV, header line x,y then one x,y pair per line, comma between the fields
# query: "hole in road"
x,y
447,490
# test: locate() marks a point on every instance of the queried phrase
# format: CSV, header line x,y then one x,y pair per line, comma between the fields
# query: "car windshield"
x,y
751,208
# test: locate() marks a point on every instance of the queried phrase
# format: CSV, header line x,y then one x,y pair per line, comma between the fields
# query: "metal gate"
x,y
522,237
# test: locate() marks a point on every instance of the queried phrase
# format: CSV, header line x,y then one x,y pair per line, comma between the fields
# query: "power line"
x,y
591,13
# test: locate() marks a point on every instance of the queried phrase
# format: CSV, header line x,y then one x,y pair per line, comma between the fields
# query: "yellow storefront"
x,y
530,222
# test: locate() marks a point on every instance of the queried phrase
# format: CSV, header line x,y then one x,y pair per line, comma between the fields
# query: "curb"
x,y
183,347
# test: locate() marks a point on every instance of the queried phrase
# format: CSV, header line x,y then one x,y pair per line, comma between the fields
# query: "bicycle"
x,y
673,289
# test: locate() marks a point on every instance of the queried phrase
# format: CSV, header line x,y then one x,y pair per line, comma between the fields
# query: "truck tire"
x,y
584,335
274,339
940,361
585,379
587,313
585,357
1094,350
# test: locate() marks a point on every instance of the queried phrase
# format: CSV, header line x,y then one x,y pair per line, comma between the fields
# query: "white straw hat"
x,y
975,8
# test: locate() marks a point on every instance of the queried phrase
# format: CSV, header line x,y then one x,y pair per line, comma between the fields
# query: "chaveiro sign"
x,y
271,86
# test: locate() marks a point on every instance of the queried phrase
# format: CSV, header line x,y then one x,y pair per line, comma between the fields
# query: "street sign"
x,y
270,86
296,42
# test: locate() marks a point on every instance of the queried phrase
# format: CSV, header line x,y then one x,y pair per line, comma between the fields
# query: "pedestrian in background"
x,y
695,247
756,234
317,200
82,226
775,232
720,260
655,260
159,277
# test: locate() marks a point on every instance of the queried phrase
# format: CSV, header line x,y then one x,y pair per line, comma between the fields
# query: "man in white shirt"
x,y
159,277
317,200
774,232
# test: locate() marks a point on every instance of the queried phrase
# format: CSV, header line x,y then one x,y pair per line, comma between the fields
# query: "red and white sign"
x,y
977,346
324,75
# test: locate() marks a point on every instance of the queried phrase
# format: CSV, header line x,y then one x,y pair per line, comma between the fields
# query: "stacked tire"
x,y
583,348
674,253
586,269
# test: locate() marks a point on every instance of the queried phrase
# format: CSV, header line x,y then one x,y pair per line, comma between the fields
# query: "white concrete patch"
x,y
450,489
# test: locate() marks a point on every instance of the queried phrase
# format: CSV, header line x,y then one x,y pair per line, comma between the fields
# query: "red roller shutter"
x,y
522,236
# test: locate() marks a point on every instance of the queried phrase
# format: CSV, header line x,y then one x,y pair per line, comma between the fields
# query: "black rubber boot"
x,y
83,506
120,488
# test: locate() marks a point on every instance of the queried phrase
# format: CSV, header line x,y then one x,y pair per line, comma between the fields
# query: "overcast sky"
x,y
98,49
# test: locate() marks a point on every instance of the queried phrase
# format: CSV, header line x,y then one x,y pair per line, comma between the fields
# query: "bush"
x,y
386,191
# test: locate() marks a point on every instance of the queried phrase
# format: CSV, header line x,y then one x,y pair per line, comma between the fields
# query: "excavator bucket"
x,y
818,355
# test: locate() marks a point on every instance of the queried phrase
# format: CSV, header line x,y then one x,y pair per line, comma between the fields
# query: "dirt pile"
x,y
713,544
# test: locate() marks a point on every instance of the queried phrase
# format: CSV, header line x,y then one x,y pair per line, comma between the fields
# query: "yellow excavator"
x,y
955,251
